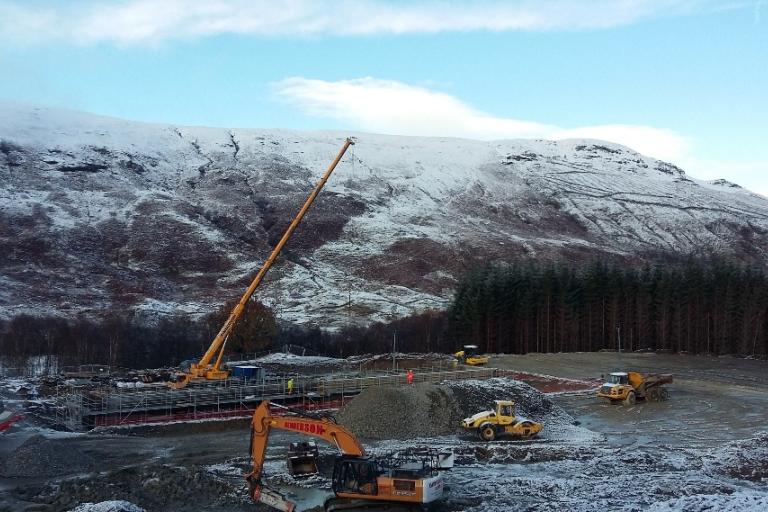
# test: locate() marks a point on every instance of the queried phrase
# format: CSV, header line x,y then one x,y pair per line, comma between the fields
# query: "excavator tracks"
x,y
349,505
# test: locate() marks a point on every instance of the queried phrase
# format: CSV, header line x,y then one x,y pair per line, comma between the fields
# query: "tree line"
x,y
696,306
130,340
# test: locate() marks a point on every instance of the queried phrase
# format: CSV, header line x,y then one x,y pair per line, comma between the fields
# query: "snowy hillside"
x,y
99,213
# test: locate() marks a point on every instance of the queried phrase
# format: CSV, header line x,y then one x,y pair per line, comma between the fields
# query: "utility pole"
x,y
394,348
394,339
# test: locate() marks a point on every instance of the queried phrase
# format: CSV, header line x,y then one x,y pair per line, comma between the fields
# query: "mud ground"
x,y
658,456
713,399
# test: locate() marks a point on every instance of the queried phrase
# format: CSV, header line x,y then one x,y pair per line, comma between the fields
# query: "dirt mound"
x,y
161,487
426,410
476,395
39,456
746,459
422,410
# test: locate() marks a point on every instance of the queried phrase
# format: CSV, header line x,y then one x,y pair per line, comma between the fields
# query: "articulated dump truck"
x,y
628,387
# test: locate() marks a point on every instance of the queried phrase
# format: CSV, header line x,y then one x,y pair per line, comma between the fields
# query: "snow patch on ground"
x,y
108,506
297,360
736,502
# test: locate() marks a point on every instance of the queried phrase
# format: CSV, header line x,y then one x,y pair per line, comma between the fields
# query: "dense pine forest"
x,y
698,307
694,306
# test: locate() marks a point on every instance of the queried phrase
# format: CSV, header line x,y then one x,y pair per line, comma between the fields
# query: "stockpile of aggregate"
x,y
420,410
427,410
39,456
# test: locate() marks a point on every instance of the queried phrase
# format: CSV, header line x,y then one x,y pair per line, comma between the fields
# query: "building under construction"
x,y
82,407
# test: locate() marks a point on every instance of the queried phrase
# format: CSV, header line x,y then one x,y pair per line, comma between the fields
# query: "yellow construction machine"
x,y
628,387
470,355
209,366
500,422
360,482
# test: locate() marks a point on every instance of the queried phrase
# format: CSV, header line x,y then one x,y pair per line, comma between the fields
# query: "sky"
x,y
681,80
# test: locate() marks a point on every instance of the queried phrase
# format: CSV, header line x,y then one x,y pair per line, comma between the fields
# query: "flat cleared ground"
x,y
713,399
673,455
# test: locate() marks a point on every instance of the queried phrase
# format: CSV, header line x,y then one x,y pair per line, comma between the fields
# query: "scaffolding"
x,y
85,407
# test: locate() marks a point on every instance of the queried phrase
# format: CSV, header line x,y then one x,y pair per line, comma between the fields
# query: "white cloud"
x,y
750,174
387,106
140,21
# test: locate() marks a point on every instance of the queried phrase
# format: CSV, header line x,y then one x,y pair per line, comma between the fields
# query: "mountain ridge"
x,y
98,213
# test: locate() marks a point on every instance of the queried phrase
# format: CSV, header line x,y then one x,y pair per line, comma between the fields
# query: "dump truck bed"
x,y
657,379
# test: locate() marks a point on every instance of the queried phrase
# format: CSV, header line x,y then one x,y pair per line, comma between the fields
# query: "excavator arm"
x,y
209,369
262,424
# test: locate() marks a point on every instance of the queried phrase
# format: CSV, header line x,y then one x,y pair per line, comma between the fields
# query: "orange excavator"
x,y
360,482
208,368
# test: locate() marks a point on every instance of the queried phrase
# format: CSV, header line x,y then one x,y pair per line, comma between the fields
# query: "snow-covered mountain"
x,y
99,213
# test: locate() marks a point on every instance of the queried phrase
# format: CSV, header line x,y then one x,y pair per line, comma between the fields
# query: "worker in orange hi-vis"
x,y
410,377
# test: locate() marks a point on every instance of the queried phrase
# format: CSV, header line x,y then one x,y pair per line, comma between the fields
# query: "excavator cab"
x,y
355,475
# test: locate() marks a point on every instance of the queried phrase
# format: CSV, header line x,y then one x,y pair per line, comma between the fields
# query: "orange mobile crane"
x,y
205,369
359,482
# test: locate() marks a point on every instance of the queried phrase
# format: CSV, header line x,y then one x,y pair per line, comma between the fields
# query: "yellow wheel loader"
x,y
628,387
469,355
501,422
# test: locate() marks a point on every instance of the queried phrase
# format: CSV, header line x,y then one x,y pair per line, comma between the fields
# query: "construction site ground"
x,y
704,449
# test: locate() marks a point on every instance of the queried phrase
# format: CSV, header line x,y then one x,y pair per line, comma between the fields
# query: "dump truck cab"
x,y
470,355
501,421
618,378
628,387
616,387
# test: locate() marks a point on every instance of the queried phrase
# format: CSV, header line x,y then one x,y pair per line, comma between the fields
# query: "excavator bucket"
x,y
302,458
273,499
302,465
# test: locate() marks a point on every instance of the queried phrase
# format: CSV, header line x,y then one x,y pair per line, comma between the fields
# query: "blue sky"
x,y
683,80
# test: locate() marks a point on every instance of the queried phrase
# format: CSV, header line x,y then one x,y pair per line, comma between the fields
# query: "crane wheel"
x,y
630,400
487,432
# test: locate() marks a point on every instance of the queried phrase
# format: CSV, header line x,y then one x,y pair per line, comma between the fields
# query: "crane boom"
x,y
204,369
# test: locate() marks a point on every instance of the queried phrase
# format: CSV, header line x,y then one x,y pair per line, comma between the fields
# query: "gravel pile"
x,y
39,456
427,410
421,410
473,396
